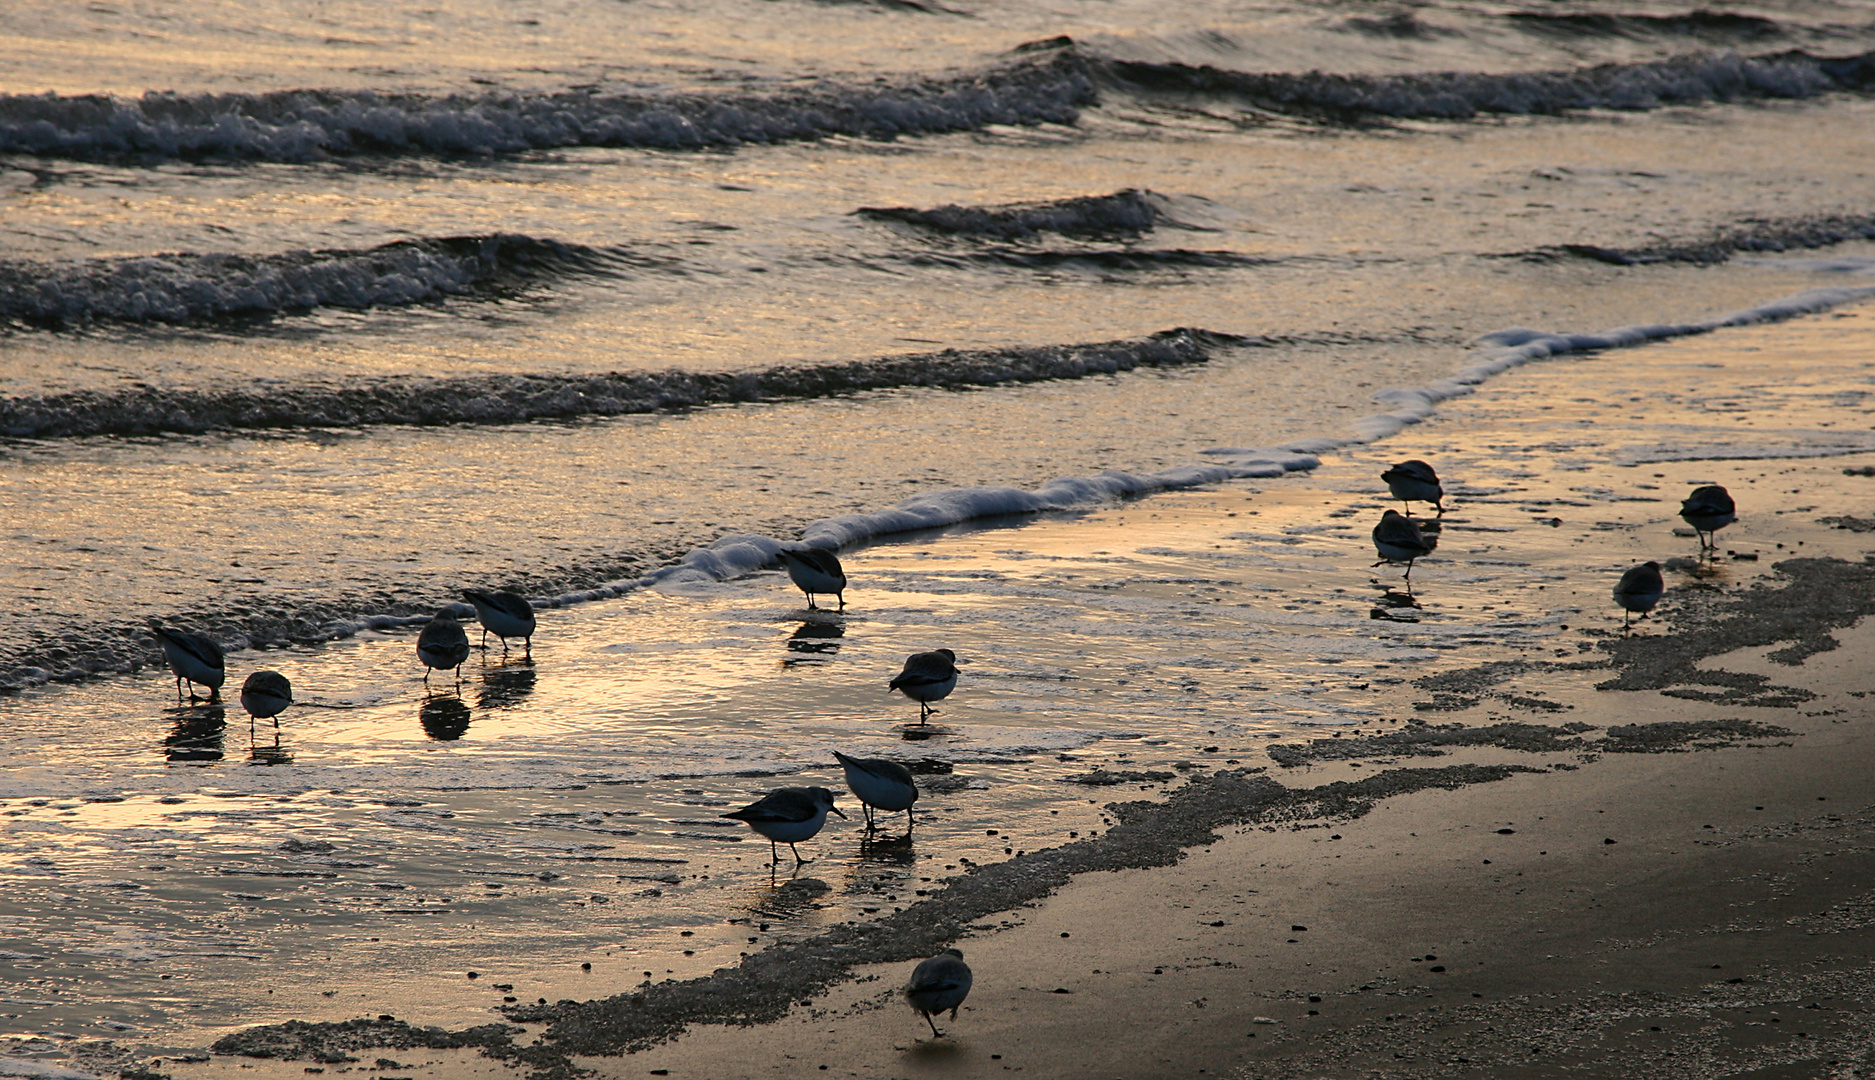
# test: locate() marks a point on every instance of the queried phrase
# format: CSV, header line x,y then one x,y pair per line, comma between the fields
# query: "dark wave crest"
x,y
1123,213
1797,234
1114,260
311,125
1463,95
1702,25
505,399
194,288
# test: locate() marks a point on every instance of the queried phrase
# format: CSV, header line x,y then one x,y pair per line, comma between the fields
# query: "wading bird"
x,y
938,984
928,676
787,816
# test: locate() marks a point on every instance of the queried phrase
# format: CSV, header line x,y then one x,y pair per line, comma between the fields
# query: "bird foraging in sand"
x,y
1639,589
815,571
928,676
193,657
1398,540
938,984
1708,509
266,694
1415,481
881,783
442,645
505,614
787,816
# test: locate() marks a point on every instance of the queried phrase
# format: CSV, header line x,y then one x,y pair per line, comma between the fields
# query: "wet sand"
x,y
1552,884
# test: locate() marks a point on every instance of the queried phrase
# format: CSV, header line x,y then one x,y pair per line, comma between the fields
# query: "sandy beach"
x,y
1582,851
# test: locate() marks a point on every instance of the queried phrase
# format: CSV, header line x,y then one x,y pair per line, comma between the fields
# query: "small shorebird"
x,y
937,984
192,657
442,645
1398,540
1709,509
882,783
927,677
787,816
505,614
266,694
1414,481
1639,589
815,571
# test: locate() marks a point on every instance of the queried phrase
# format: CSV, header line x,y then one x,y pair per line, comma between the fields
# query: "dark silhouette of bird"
x,y
1398,540
1415,481
504,614
788,815
1709,509
192,657
939,984
815,571
265,695
1639,589
881,783
442,646
928,677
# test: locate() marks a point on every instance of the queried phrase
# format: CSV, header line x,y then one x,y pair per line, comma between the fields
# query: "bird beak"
x,y
836,810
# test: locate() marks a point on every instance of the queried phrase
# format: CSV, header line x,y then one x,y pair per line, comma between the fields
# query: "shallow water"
x,y
290,368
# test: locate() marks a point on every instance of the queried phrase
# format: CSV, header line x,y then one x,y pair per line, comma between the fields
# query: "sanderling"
x,y
927,677
788,815
192,657
1414,481
266,694
815,571
882,783
442,645
506,614
1398,540
1639,589
1709,509
937,984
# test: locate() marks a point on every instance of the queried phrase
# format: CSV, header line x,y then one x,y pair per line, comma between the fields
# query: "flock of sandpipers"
x,y
790,815
1400,539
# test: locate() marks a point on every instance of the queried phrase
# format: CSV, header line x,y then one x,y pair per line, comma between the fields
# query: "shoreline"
x,y
1520,683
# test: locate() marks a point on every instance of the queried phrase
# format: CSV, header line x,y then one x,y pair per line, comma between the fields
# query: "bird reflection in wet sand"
x,y
1397,540
444,719
1708,509
507,685
197,735
814,641
1639,589
1393,606
443,646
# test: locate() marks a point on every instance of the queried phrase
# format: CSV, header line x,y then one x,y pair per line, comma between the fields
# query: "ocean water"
x,y
311,317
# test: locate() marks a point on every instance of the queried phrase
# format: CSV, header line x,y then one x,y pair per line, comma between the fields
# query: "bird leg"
x,y
841,597
797,854
935,1033
909,822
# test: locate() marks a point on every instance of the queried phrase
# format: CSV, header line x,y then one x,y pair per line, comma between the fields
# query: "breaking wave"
x,y
311,125
1700,24
1463,95
187,288
505,399
1752,236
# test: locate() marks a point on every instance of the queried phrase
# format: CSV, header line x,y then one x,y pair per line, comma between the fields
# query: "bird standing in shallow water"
x,y
1398,540
192,657
928,677
1709,509
1414,481
788,815
880,782
266,694
937,984
1639,589
815,571
506,614
442,645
